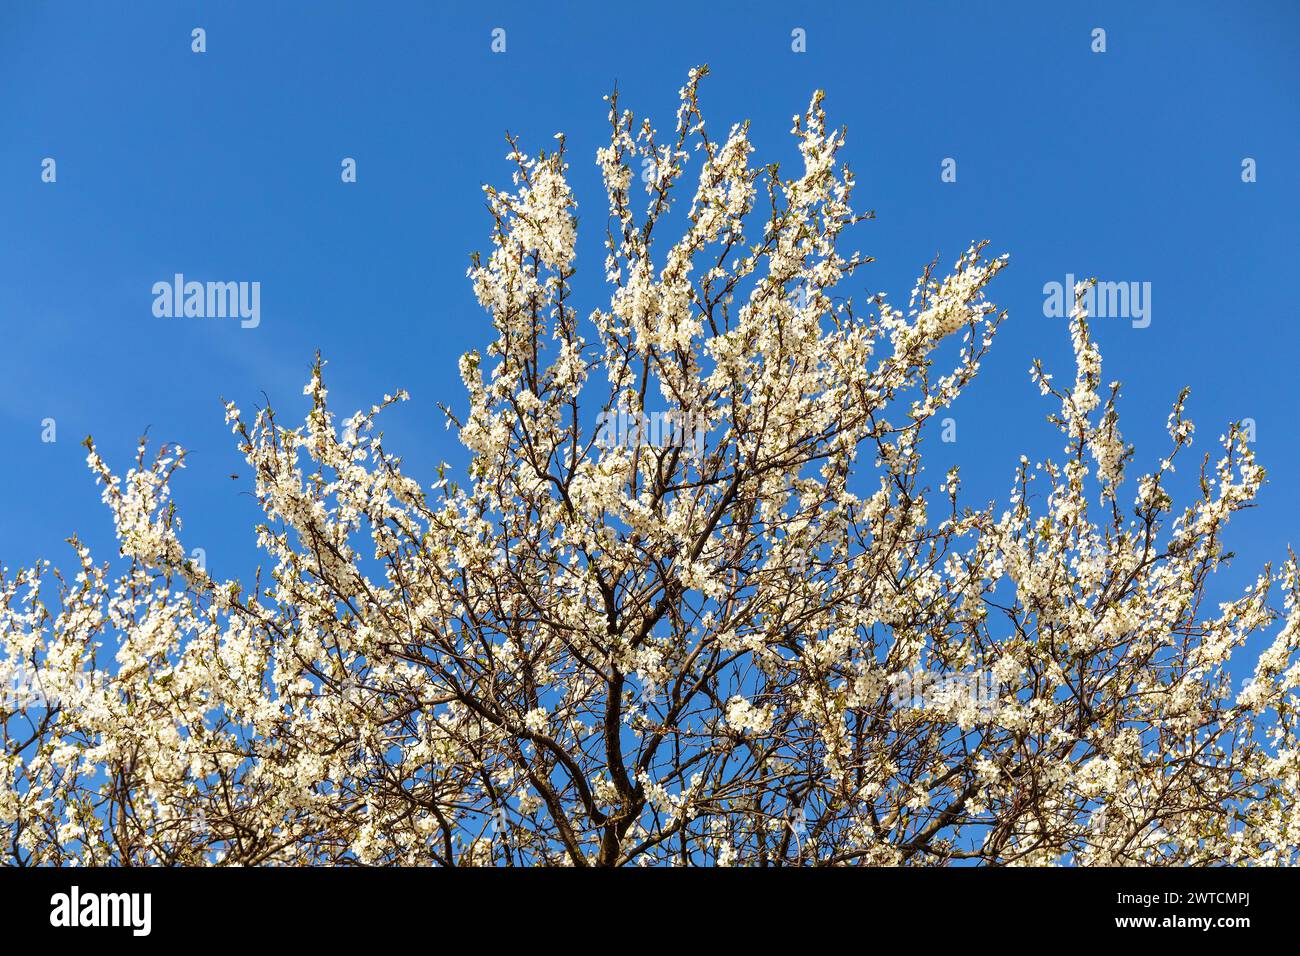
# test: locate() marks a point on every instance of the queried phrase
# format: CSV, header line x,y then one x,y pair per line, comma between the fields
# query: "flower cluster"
x,y
597,652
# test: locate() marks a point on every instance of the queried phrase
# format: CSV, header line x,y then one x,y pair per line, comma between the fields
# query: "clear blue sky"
x,y
225,166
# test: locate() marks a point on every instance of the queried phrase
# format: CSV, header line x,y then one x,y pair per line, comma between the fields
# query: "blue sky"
x,y
225,165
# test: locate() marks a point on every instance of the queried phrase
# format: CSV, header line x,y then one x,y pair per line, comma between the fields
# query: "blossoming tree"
x,y
619,650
